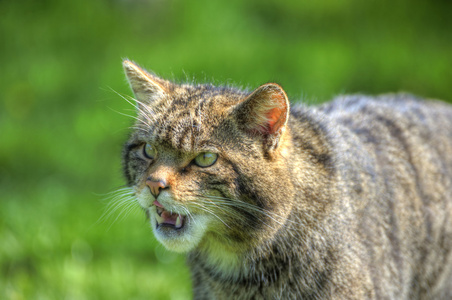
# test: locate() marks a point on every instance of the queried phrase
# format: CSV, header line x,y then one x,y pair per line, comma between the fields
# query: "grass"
x,y
61,133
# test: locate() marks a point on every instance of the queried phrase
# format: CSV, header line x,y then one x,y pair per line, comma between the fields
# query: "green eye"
x,y
149,151
206,159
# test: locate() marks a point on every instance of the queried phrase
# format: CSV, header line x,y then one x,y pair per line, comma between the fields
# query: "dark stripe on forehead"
x,y
185,139
201,104
162,125
182,131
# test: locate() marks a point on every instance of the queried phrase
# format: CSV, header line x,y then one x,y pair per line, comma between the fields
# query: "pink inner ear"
x,y
275,115
274,122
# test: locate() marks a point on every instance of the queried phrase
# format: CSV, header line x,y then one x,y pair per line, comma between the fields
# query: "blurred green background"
x,y
61,126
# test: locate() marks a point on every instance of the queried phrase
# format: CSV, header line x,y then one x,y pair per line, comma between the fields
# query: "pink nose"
x,y
155,186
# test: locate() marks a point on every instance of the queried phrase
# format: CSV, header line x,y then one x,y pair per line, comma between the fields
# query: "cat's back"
x,y
397,120
407,223
407,139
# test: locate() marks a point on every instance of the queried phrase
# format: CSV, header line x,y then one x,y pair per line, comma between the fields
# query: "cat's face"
x,y
203,161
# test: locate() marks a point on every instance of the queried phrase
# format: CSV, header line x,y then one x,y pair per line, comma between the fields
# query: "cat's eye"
x,y
206,159
149,151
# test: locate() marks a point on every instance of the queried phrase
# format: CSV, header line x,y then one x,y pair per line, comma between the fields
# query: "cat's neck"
x,y
227,263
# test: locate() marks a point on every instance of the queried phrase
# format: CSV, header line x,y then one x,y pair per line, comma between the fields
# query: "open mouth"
x,y
166,218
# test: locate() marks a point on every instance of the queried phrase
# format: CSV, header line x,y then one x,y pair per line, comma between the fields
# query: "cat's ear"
x,y
145,86
265,112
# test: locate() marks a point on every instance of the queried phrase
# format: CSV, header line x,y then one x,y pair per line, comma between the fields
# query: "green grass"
x,y
61,133
56,247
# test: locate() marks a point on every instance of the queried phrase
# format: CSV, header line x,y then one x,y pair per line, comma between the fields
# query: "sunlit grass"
x,y
55,247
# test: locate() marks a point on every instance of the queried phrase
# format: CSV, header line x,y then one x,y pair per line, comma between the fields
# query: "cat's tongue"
x,y
167,218
156,203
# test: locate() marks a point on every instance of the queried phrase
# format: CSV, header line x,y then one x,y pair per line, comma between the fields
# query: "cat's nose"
x,y
156,186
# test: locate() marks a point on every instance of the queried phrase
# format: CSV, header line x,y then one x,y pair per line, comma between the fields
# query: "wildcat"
x,y
348,200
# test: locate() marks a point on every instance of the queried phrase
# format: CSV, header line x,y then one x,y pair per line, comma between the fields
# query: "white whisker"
x,y
121,202
226,202
210,212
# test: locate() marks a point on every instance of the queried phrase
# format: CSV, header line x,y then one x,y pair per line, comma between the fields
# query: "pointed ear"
x,y
265,112
145,86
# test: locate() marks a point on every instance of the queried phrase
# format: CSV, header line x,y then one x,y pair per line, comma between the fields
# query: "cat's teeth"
x,y
159,210
178,222
159,218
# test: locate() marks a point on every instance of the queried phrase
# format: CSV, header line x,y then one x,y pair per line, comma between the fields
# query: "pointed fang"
x,y
178,222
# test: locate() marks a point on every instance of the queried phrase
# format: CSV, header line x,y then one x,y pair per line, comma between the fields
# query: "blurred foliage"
x,y
61,132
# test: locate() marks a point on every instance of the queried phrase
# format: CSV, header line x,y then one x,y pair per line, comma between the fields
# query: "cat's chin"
x,y
182,236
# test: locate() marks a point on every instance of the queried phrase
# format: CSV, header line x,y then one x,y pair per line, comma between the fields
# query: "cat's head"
x,y
208,164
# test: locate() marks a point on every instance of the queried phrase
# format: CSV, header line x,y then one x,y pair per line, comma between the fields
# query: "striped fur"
x,y
348,200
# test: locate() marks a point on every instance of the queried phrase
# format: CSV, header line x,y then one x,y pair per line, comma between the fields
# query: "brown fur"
x,y
349,200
